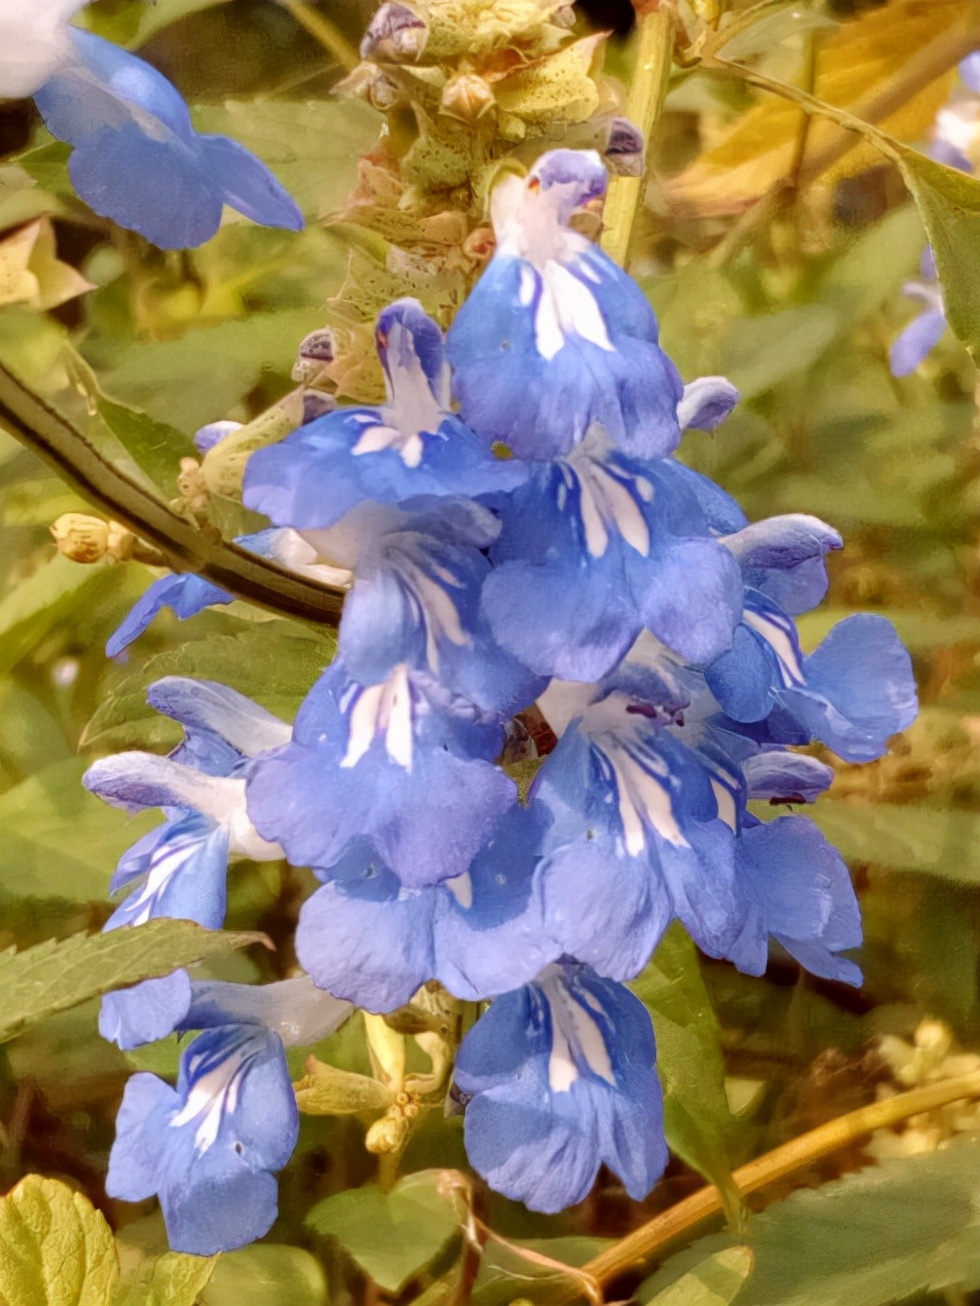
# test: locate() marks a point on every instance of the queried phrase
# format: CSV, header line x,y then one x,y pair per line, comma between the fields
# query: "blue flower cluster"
x,y
535,545
135,156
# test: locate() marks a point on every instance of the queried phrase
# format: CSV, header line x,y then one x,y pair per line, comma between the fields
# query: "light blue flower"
x,y
137,159
555,337
595,548
561,1077
853,692
797,889
210,1147
365,762
187,594
643,825
367,937
784,558
179,869
408,447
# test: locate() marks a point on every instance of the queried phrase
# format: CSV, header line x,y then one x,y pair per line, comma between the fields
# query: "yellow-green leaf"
x,y
715,1282
55,976
949,204
55,1247
172,1279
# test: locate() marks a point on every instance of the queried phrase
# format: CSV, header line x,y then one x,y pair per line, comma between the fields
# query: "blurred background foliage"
x,y
784,276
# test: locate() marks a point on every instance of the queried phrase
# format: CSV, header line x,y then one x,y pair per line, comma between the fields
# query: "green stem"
x,y
184,546
637,1249
323,30
643,104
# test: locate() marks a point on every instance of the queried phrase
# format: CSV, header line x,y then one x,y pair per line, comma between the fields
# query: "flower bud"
x,y
479,244
315,351
395,35
327,1091
370,83
468,97
191,486
317,403
91,539
624,148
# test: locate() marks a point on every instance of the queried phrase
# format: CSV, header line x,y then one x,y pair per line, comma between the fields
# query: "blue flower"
x,y
783,557
562,1079
179,870
853,692
185,593
595,548
910,349
555,337
643,828
411,446
137,159
367,937
366,760
417,600
209,1148
798,890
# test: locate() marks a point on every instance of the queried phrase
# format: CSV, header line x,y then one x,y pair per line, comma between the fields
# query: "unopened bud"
x,y
315,351
479,244
395,35
389,1134
468,97
327,1091
91,539
370,83
624,148
317,403
564,17
191,486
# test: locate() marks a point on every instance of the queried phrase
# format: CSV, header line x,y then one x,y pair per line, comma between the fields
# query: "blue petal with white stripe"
x,y
853,692
409,447
146,1012
597,547
209,1148
367,937
562,1078
643,831
555,337
365,760
138,160
416,600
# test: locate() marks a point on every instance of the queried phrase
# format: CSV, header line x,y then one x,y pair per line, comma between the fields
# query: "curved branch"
x,y
186,547
638,1248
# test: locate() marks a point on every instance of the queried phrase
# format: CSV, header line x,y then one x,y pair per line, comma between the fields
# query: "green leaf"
x,y
266,1275
717,1281
311,145
392,1236
60,841
133,23
949,203
171,1279
55,976
904,838
274,662
763,351
894,1230
57,1248
155,447
697,1118
44,599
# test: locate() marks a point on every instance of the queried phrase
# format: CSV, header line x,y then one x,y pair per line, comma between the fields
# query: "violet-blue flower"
x,y
137,159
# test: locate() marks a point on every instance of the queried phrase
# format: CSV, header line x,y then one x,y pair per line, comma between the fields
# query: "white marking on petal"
x,y
779,640
407,443
212,1097
382,709
574,1034
608,500
727,810
528,286
644,798
567,307
439,612
462,889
